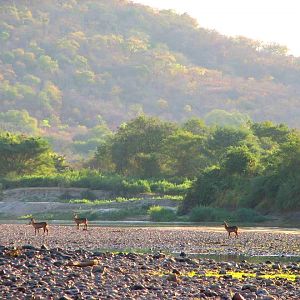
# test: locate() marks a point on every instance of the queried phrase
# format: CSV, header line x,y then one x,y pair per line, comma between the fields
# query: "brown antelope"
x,y
79,221
230,229
38,225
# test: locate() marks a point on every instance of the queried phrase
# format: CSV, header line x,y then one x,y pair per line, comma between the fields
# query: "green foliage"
x,y
24,155
115,215
18,121
69,63
136,145
161,214
94,180
239,160
252,174
247,215
135,187
223,118
89,195
170,188
213,214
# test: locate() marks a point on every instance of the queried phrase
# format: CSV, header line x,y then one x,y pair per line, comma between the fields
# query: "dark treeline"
x,y
70,70
253,165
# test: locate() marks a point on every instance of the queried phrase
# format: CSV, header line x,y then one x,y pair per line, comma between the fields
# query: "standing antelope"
x,y
38,225
230,229
79,221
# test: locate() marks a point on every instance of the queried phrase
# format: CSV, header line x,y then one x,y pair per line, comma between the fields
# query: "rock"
x,y
44,247
238,296
3,272
28,247
269,297
262,292
21,289
159,255
172,277
99,269
30,254
269,282
182,254
118,269
276,267
65,297
215,287
137,287
251,287
58,263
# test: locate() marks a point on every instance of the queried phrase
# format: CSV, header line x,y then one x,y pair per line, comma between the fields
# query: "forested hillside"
x,y
73,70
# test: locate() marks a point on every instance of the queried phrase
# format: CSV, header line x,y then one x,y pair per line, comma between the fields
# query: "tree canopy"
x,y
66,63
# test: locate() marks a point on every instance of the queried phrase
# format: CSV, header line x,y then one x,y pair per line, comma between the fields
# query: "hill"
x,y
73,70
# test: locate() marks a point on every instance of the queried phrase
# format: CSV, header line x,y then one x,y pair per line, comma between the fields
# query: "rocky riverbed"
x,y
69,264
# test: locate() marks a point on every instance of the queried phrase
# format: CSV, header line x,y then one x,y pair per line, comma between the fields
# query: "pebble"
x,y
40,270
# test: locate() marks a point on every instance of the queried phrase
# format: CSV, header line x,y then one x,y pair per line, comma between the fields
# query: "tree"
x,y
143,135
224,118
22,155
224,137
196,126
18,121
185,153
239,160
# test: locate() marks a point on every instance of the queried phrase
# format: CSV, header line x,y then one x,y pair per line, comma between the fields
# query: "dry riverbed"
x,y
30,272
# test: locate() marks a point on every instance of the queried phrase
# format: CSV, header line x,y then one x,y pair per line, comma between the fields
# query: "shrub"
x,y
161,214
88,194
166,187
209,214
247,215
136,187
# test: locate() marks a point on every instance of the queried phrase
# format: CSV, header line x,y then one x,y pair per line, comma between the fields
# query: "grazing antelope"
x,y
38,225
230,229
79,221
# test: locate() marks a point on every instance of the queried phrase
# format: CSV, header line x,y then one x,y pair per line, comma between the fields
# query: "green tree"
x,y
185,153
18,121
239,160
224,118
143,135
22,155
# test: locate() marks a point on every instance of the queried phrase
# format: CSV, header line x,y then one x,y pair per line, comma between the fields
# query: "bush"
x,y
247,215
161,214
136,187
209,214
166,187
212,214
114,215
89,195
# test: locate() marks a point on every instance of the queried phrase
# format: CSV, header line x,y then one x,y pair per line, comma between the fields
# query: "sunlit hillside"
x,y
72,70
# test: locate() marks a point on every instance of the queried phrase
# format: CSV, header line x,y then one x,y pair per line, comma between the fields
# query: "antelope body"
x,y
230,229
38,225
79,221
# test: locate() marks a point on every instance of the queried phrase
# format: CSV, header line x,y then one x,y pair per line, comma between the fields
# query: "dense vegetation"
x,y
246,168
72,70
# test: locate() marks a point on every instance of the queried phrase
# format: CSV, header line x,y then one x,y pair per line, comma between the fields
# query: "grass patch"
x,y
161,214
124,200
236,275
94,180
